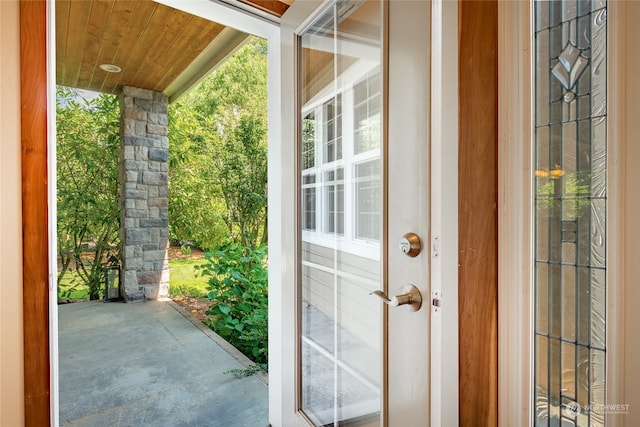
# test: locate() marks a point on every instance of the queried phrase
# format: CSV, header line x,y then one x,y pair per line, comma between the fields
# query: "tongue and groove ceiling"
x,y
157,47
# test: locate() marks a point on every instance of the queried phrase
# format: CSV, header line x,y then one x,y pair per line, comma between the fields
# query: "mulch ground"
x,y
195,306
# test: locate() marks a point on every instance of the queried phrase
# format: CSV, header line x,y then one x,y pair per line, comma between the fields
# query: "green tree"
x,y
218,154
88,215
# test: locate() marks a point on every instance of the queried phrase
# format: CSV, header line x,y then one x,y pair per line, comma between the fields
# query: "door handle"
x,y
410,296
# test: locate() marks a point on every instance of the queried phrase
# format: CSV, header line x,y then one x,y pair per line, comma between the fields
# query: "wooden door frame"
x,y
35,196
478,210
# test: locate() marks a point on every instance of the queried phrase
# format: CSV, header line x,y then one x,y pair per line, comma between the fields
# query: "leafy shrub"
x,y
88,190
239,297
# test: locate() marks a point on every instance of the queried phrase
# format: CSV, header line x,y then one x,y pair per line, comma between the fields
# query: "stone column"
x,y
144,177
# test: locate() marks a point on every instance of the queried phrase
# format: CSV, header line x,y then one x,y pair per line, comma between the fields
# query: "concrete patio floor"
x,y
150,364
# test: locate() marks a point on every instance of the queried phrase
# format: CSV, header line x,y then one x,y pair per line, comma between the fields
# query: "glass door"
x,y
364,303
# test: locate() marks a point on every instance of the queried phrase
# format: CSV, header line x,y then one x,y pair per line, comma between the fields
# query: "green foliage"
x,y
569,193
218,154
88,215
238,292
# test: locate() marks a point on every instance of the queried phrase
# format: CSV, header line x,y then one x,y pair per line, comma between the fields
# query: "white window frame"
x,y
347,242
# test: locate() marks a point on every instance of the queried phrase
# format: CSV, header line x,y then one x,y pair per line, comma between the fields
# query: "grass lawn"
x,y
184,279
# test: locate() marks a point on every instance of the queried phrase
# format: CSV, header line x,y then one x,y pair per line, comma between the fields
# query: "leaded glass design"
x,y
570,212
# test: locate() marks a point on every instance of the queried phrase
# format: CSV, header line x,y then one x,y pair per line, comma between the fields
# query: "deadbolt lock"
x,y
410,245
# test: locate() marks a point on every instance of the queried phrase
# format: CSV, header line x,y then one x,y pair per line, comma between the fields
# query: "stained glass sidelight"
x,y
570,212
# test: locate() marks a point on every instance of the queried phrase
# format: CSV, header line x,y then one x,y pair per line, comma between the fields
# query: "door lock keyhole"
x,y
410,245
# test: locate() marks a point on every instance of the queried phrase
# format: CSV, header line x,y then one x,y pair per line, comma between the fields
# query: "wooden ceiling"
x,y
157,47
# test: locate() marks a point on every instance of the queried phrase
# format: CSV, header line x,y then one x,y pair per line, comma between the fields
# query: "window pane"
x,y
334,202
308,141
332,140
368,201
570,214
341,362
367,117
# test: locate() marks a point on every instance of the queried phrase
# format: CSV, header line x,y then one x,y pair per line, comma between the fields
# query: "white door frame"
x,y
515,209
444,212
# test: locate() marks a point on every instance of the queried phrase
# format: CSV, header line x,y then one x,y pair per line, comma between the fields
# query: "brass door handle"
x,y
410,296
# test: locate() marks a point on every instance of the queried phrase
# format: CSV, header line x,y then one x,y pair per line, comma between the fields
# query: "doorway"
x,y
213,11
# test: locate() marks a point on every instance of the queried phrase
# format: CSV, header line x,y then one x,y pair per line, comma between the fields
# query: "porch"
x,y
151,364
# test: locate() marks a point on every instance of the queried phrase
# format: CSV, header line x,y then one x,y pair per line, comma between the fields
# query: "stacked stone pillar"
x,y
144,170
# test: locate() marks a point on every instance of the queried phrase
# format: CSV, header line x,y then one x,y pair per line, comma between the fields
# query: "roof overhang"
x,y
156,46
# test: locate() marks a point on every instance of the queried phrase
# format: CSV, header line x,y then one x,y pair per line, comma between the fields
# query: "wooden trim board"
x,y
33,42
478,232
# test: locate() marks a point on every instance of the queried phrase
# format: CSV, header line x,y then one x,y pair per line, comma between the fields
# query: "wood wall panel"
x,y
478,233
33,92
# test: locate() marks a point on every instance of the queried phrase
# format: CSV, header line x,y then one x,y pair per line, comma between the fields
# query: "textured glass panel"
x,y
584,234
555,108
598,232
584,31
583,89
555,381
555,153
584,6
598,307
542,15
555,42
555,13
555,299
542,78
583,325
584,150
569,10
568,303
582,374
569,370
599,158
542,153
542,230
542,381
597,373
583,107
555,225
542,297
568,252
569,161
